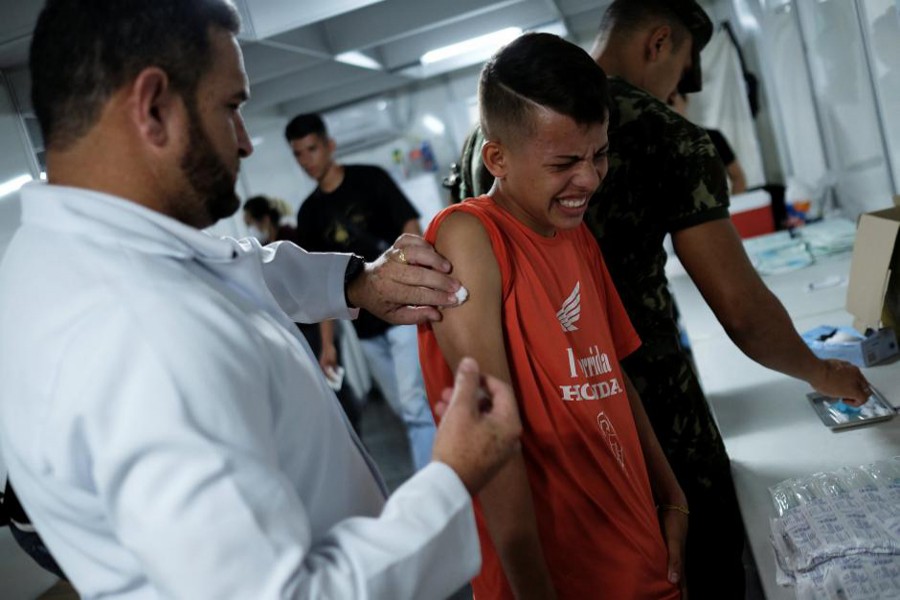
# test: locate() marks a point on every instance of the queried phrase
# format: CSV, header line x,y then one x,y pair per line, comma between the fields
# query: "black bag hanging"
x,y
750,79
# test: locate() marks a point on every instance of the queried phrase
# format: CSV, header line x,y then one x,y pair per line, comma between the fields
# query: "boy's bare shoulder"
x,y
463,240
461,226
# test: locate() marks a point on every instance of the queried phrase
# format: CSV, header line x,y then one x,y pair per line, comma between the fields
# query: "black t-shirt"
x,y
364,215
722,148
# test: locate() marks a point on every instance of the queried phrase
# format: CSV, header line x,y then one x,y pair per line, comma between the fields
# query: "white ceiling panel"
x,y
292,66
264,62
314,80
396,20
18,19
14,53
341,95
310,39
271,17
525,15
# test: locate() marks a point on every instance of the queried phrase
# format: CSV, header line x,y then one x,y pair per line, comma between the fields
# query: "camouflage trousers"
x,y
684,425
679,413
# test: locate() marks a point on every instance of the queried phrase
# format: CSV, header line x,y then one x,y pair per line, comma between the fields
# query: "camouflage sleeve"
x,y
697,178
475,179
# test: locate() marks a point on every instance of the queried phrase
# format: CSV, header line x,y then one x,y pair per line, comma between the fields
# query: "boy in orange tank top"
x,y
590,507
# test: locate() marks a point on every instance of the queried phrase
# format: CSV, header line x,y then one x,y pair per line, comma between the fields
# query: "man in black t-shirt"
x,y
359,209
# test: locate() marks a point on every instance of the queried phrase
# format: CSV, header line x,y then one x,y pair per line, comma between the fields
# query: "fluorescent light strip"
x,y
13,185
491,40
435,125
358,59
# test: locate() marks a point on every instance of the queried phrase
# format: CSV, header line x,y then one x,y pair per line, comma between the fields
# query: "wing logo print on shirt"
x,y
611,437
571,310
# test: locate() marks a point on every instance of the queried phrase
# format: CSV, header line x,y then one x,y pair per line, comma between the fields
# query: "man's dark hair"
x,y
686,19
627,16
544,70
303,125
259,207
84,50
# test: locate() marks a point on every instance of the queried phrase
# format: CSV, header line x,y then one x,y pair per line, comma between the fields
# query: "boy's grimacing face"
x,y
552,173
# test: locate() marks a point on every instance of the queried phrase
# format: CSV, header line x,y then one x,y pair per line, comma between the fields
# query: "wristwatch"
x,y
355,267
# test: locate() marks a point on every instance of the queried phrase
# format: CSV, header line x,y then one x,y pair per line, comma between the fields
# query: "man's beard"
x,y
211,183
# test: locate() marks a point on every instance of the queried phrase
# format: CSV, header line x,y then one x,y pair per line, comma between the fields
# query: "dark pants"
x,y
34,547
681,419
29,541
345,395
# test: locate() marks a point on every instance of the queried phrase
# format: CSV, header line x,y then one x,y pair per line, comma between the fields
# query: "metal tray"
x,y
875,410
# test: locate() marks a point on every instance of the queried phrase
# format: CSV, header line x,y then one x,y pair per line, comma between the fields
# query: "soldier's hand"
x,y
840,379
479,428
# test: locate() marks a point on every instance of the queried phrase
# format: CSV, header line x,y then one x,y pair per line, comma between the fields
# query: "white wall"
x,y
20,576
16,160
829,124
441,112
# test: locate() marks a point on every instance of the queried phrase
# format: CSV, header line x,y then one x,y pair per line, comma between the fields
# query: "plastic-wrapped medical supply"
x,y
837,534
861,577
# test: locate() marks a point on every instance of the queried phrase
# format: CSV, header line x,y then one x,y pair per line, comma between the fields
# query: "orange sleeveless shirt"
x,y
565,330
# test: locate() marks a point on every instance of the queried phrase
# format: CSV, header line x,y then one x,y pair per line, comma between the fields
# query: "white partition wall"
x,y
881,22
842,84
20,576
17,162
824,71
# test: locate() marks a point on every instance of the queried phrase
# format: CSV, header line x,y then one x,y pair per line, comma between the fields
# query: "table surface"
x,y
770,430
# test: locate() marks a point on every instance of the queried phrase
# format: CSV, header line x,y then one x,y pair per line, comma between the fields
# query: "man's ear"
x,y
656,41
493,154
332,145
156,109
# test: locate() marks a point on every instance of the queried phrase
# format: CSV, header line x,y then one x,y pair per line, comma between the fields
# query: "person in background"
x,y
164,423
665,178
262,216
575,515
737,181
359,209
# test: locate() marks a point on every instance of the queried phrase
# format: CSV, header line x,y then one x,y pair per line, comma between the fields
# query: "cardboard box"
x,y
854,347
873,296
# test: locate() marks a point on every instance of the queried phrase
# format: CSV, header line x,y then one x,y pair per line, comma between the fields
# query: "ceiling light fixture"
x,y
13,185
491,42
358,59
435,125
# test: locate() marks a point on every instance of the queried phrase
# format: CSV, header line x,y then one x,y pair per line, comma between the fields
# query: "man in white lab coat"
x,y
167,429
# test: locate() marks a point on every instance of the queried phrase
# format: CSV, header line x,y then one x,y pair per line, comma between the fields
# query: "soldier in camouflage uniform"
x,y
665,178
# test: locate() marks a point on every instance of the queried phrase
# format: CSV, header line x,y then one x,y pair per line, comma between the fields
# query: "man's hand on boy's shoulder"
x,y
406,284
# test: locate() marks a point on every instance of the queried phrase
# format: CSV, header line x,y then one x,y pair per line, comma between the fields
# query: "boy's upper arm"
x,y
475,328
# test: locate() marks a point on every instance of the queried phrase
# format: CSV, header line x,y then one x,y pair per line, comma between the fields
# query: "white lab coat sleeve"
x,y
188,470
309,286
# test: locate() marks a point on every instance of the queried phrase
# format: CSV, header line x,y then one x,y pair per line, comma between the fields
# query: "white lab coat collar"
x,y
99,215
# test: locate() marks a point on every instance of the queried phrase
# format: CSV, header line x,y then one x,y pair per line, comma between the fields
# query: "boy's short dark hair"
x,y
540,69
303,125
84,50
